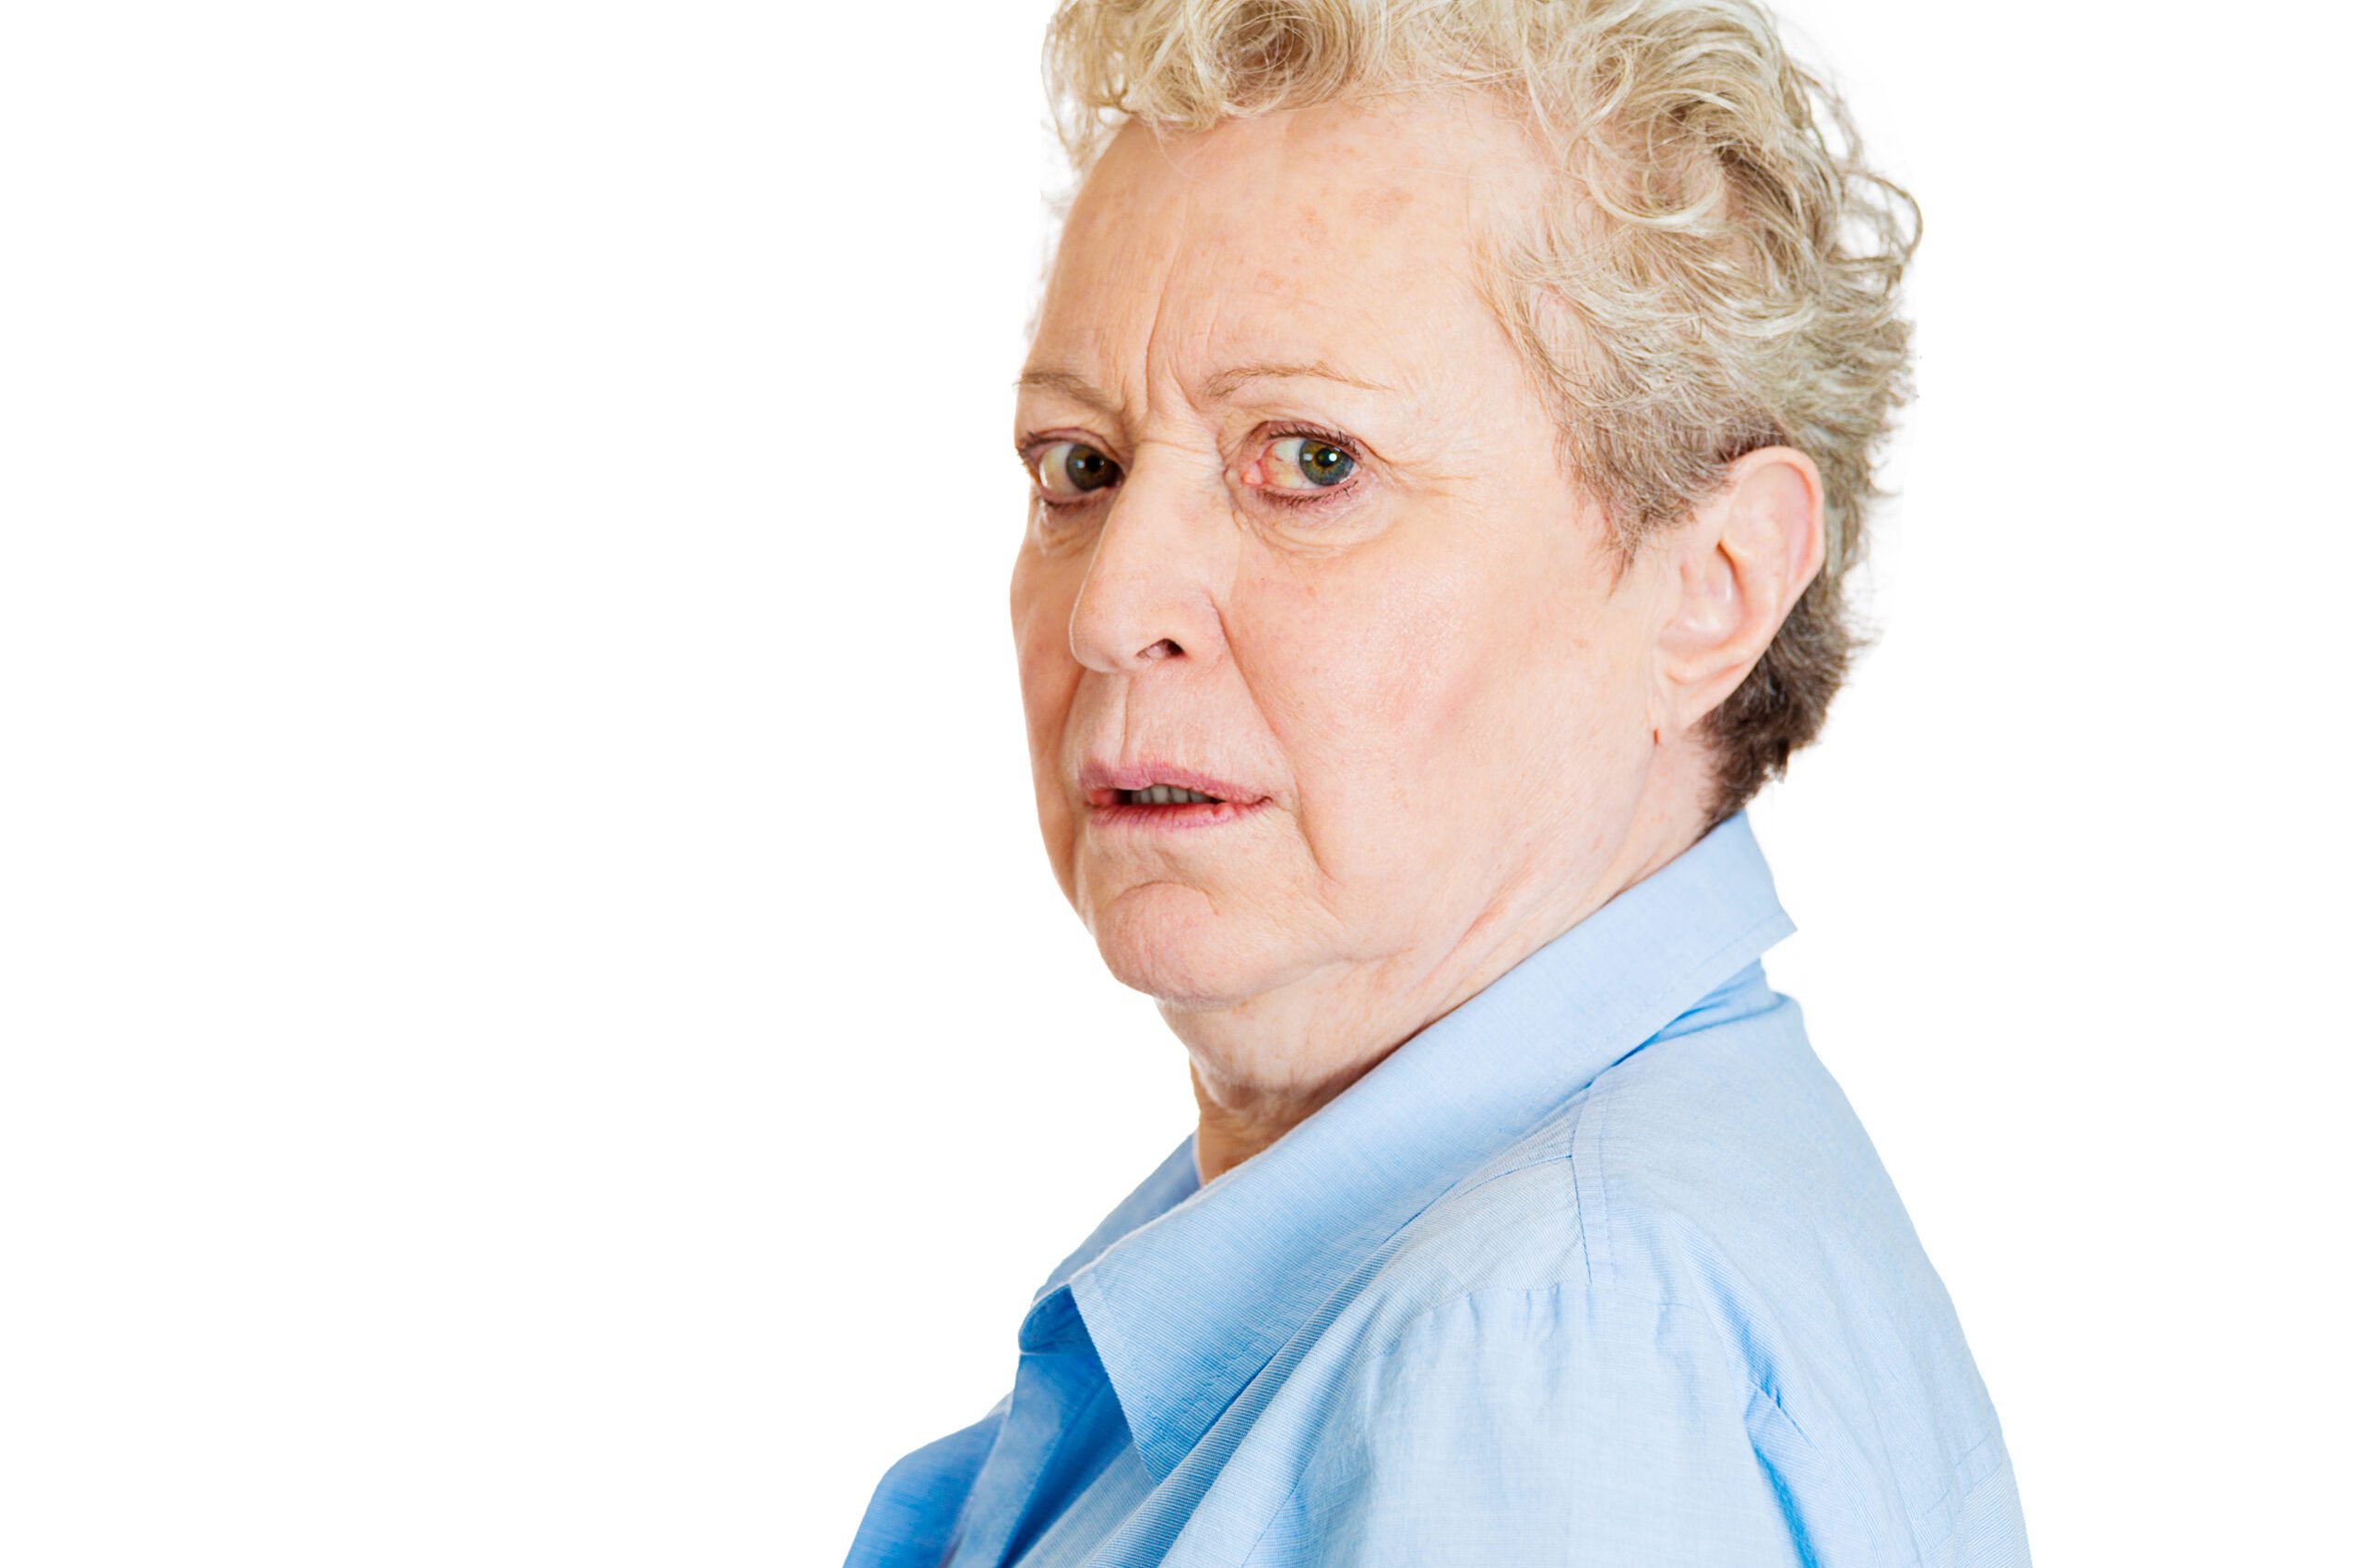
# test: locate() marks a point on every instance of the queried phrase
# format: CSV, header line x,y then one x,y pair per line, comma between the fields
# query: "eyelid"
x,y
1031,445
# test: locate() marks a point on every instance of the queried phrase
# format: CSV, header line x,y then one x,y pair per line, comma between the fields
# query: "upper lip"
x,y
1101,780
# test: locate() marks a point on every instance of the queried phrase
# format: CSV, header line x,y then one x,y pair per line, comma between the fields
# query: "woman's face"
x,y
1299,524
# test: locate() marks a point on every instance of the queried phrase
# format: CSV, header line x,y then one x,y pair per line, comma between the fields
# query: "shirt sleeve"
x,y
1546,1426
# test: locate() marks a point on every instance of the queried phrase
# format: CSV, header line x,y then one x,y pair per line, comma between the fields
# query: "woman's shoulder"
x,y
1702,1234
1716,1182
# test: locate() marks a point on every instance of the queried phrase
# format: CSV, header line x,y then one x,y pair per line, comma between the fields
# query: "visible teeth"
x,y
1166,795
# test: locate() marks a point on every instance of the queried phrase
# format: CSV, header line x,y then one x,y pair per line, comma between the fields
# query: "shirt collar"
x,y
1187,1290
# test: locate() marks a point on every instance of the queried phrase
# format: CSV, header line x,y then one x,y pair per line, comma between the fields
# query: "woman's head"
x,y
1441,416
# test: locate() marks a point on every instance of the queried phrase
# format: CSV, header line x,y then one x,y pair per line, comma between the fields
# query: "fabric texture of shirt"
x,y
1597,1268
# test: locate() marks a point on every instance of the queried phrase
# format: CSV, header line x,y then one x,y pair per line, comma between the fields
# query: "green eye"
x,y
1306,462
1069,467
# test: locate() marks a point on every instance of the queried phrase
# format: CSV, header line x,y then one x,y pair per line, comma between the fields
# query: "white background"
x,y
538,1026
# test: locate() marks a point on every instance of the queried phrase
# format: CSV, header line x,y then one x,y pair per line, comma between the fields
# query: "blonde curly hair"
x,y
1722,272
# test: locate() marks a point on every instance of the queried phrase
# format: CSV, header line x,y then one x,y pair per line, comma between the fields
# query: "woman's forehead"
x,y
1337,237
1344,181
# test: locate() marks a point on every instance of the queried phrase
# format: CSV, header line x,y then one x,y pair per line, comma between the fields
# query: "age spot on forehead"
x,y
1380,203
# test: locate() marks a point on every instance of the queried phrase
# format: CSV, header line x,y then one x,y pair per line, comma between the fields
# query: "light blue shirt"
x,y
1597,1268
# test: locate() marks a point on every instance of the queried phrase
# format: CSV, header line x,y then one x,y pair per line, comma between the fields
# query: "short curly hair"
x,y
1722,273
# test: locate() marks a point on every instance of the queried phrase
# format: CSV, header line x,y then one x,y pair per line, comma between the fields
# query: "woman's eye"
x,y
1305,462
1069,467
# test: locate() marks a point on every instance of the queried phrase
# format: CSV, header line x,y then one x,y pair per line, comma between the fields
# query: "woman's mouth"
x,y
1153,792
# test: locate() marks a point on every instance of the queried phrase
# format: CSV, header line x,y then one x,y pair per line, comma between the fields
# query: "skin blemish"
x,y
1382,204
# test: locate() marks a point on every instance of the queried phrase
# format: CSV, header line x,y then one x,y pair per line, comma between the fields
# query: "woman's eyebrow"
x,y
1221,383
1073,385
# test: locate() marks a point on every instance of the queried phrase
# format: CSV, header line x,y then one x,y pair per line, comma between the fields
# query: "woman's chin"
x,y
1170,941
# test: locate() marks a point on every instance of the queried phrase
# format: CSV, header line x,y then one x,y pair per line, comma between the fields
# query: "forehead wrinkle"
x,y
1173,269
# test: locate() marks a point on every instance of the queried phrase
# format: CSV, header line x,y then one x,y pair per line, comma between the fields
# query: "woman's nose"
x,y
1152,588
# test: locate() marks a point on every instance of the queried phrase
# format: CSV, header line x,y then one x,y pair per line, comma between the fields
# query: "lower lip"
x,y
1179,818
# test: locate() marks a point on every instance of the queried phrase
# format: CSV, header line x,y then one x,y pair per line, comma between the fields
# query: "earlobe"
x,y
1745,557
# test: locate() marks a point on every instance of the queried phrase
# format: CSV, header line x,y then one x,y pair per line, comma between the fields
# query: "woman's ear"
x,y
1744,558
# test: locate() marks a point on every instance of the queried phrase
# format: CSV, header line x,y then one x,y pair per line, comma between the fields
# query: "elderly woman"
x,y
1449,424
